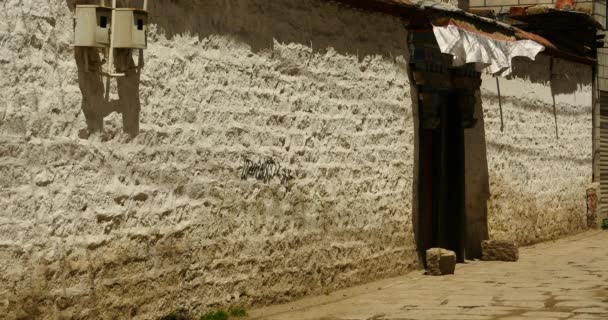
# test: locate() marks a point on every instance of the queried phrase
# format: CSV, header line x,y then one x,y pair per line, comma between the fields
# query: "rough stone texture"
x,y
440,261
499,250
537,178
103,226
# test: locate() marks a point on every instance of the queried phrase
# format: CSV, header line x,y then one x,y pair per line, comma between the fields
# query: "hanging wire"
x,y
553,96
502,122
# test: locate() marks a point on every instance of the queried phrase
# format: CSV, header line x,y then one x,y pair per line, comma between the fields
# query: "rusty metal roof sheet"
x,y
555,16
399,2
404,8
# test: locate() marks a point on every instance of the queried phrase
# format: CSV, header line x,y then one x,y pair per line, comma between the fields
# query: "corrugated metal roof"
x,y
399,2
392,7
404,8
558,16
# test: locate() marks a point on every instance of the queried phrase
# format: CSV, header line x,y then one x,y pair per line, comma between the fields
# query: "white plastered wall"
x,y
102,226
541,164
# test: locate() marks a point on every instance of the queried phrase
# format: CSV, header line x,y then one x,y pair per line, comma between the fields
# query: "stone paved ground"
x,y
566,279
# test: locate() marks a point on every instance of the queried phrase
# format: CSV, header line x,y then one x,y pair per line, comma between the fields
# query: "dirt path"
x,y
565,279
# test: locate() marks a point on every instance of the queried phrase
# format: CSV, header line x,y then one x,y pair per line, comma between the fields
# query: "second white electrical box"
x,y
131,28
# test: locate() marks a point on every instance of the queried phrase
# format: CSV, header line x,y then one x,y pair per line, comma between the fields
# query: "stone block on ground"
x,y
440,261
499,250
592,203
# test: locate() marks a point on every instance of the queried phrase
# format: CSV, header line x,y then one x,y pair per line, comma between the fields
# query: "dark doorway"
x,y
442,186
447,97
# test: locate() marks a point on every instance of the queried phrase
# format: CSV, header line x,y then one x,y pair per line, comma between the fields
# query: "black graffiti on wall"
x,y
265,170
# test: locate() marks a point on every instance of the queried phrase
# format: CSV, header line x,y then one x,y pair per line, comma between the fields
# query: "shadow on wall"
x,y
477,184
96,102
258,23
261,22
564,77
561,76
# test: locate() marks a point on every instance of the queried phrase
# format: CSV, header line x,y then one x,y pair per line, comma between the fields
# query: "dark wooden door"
x,y
441,196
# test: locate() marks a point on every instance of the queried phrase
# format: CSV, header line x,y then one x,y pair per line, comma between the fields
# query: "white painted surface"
x,y
537,180
106,227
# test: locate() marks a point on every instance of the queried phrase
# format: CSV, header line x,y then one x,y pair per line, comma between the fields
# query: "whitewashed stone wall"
x,y
537,175
108,227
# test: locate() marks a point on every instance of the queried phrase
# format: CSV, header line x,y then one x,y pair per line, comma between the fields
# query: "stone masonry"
x,y
499,250
105,226
440,261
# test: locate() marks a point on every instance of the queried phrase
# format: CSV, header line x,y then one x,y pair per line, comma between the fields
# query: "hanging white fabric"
x,y
486,52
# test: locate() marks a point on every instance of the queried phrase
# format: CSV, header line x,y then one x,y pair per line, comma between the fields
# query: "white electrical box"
x,y
131,28
92,26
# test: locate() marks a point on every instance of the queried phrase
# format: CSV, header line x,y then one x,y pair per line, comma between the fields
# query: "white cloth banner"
x,y
493,54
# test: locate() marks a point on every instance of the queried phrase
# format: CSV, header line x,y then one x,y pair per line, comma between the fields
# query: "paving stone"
x,y
591,310
581,304
440,261
579,285
499,250
523,295
526,285
582,296
362,316
463,317
527,318
469,301
598,316
522,304
488,311
547,314
420,315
